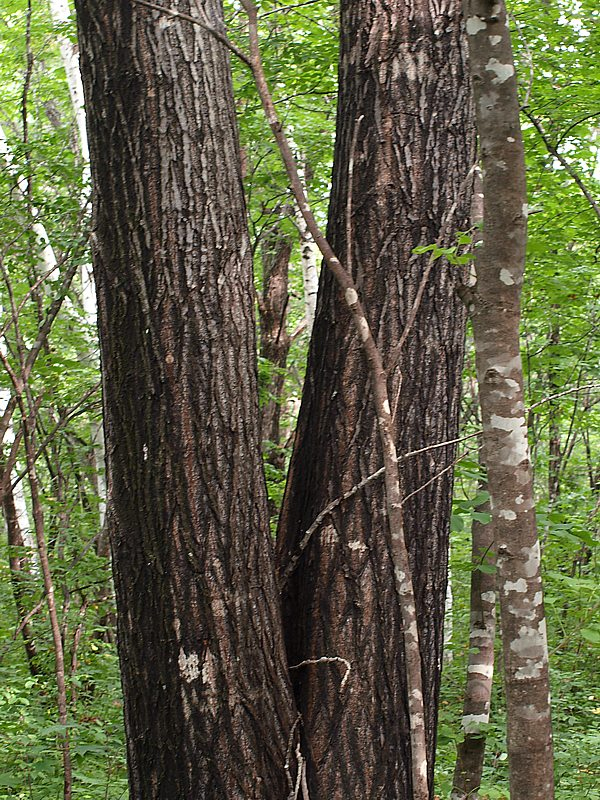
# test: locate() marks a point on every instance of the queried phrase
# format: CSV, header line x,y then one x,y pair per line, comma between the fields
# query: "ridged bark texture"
x,y
208,706
405,126
499,266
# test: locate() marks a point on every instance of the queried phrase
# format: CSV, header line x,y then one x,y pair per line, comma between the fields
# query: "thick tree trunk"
x,y
499,266
405,135
208,706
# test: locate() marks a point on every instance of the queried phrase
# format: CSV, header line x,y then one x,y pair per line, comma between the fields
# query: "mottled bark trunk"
x,y
208,707
275,341
404,126
496,311
480,664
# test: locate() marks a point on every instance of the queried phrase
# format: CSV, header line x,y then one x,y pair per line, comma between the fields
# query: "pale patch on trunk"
x,y
189,666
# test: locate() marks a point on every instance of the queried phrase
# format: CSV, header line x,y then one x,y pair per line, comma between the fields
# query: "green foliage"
x,y
556,47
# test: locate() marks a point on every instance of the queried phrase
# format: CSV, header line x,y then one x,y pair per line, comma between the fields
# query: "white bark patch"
x,y
488,597
507,514
525,209
515,449
510,139
519,500
531,647
533,669
357,546
487,670
531,556
474,25
506,277
189,666
494,40
520,585
503,71
363,329
386,407
471,723
351,296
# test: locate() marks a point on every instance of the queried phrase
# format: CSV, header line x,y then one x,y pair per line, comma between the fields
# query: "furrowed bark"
x,y
394,182
499,265
208,706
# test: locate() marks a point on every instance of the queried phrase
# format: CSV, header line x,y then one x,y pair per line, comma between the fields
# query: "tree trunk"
x,y
275,341
480,664
404,132
208,706
20,574
499,266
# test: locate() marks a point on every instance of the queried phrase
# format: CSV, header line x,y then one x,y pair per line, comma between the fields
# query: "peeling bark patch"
x,y
488,597
474,25
189,666
507,514
494,40
503,71
506,277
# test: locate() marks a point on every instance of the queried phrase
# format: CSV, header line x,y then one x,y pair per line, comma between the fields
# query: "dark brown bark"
x,y
404,124
208,706
499,265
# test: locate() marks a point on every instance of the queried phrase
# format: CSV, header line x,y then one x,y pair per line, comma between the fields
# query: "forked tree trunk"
x,y
499,267
405,132
208,706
